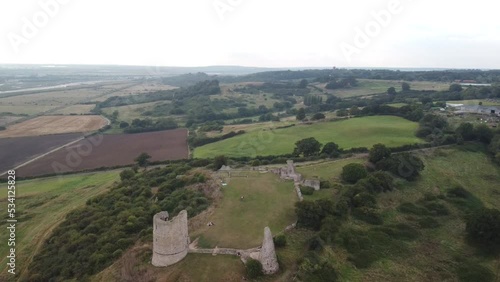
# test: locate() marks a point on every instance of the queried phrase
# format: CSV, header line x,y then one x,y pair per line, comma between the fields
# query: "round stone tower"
x,y
170,238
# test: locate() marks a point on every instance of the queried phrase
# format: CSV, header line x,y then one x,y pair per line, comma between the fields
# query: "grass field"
x,y
75,110
374,86
42,204
193,268
133,89
356,132
130,112
268,201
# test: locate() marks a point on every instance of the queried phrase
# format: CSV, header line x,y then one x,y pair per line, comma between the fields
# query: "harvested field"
x,y
110,150
15,151
46,125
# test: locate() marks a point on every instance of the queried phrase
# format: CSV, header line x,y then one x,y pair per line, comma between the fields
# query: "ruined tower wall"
x,y
267,256
170,239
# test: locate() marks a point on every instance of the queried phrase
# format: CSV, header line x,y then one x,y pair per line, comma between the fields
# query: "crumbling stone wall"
x,y
170,238
313,183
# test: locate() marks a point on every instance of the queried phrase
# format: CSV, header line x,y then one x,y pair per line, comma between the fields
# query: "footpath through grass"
x,y
41,204
356,132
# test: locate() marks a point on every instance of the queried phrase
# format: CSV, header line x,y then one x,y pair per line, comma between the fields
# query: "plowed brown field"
x,y
110,150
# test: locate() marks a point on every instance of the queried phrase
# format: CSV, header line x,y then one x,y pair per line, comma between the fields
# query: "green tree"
x,y
342,113
391,91
124,124
331,149
455,88
219,161
303,83
483,133
310,214
466,131
354,111
307,147
114,116
405,86
353,172
127,174
301,114
143,159
318,116
253,269
378,152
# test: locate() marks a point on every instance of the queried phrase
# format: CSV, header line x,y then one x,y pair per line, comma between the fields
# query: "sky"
x,y
259,33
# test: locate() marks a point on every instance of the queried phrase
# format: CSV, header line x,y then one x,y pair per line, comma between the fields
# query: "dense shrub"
x,y
378,152
410,208
428,222
310,214
399,231
437,209
253,268
279,241
313,268
377,182
368,215
405,165
91,237
364,199
483,227
353,172
473,272
306,190
325,184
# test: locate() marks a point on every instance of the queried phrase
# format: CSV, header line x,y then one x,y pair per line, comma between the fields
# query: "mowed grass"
x,y
239,223
41,204
357,132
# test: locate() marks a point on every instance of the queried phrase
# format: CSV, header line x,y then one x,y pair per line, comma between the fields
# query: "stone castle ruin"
x,y
171,244
289,173
170,238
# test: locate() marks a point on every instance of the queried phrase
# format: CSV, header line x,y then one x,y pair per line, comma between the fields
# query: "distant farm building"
x,y
476,109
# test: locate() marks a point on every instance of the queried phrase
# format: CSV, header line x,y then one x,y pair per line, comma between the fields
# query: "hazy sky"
x,y
270,33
